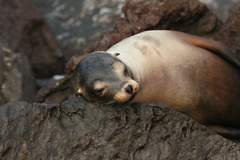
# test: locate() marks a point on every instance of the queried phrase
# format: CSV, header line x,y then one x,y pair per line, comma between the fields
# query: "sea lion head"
x,y
103,78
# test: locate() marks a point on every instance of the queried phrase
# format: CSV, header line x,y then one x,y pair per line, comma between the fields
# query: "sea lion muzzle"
x,y
127,92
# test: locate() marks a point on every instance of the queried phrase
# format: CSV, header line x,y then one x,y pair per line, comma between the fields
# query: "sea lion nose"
x,y
129,89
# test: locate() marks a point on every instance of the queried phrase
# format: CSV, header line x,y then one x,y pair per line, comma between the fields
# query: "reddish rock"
x,y
184,15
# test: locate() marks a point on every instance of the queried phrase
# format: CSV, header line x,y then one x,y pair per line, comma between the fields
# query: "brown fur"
x,y
193,75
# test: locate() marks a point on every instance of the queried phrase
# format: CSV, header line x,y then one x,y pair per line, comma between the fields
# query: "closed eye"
x,y
100,91
100,88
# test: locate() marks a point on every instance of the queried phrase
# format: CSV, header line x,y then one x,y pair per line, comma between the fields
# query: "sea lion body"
x,y
190,76
190,79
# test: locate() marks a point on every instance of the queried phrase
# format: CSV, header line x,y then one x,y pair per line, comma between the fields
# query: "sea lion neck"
x,y
134,64
135,72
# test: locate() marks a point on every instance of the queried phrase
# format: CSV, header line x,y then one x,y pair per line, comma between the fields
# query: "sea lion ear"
x,y
116,54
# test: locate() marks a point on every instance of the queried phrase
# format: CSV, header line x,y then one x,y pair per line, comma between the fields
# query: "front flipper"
x,y
213,46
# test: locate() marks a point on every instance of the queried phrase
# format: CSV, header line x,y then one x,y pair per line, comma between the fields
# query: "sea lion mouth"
x,y
117,101
89,100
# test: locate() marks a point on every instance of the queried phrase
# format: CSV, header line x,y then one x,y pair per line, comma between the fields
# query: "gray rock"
x,y
221,7
78,23
24,31
16,78
27,49
79,130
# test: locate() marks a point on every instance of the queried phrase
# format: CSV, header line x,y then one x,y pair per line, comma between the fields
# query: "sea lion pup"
x,y
191,74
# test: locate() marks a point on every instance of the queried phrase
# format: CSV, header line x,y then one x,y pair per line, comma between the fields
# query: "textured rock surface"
x,y
229,33
25,32
221,7
16,78
77,130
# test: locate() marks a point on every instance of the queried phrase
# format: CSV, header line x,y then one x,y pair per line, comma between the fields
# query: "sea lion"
x,y
193,75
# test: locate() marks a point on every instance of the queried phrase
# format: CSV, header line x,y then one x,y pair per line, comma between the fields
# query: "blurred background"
x,y
76,23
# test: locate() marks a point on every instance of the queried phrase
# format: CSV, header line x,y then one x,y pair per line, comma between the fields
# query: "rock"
x,y
77,130
56,92
16,78
185,15
220,7
27,49
24,31
78,23
229,33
